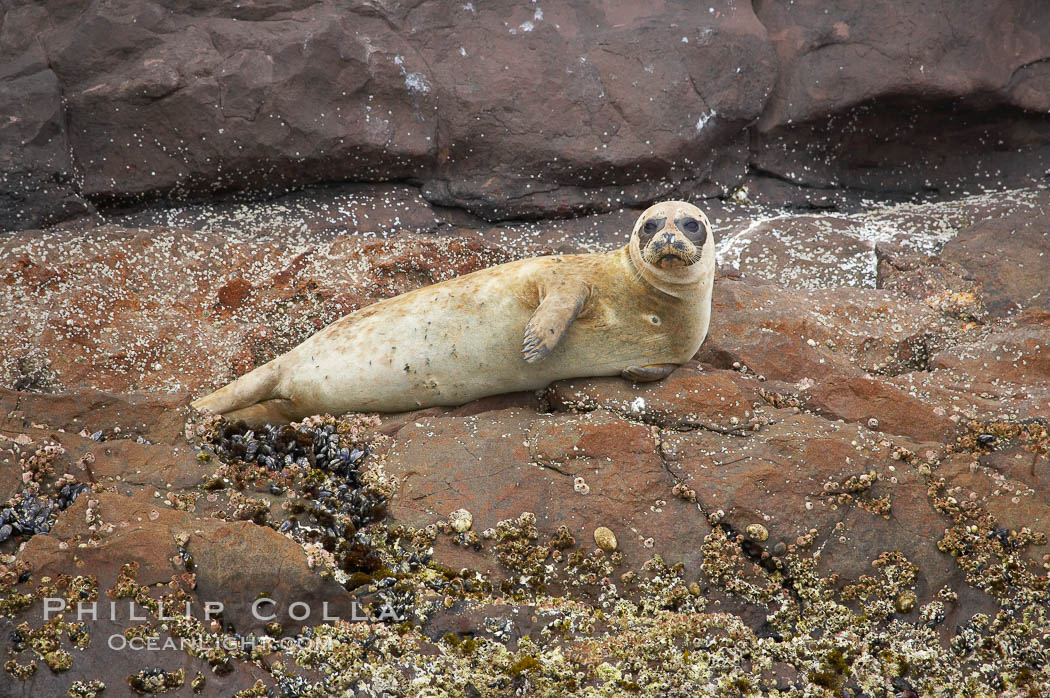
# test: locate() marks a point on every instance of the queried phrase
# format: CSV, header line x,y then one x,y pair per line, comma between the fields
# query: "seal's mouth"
x,y
668,260
668,256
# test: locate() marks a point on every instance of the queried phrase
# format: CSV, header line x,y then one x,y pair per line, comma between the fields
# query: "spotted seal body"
x,y
639,312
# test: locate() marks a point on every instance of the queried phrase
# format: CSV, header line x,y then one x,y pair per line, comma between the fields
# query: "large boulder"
x,y
1009,256
512,110
878,97
36,171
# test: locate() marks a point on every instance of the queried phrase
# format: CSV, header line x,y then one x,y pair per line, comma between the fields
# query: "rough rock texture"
x,y
79,301
579,472
845,491
884,97
1009,257
860,399
517,109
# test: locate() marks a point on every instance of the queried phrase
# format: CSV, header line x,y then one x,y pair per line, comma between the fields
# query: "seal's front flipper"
x,y
561,303
647,374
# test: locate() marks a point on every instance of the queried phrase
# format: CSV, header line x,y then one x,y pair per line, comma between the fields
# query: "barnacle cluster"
x,y
1032,435
86,689
156,680
564,614
32,510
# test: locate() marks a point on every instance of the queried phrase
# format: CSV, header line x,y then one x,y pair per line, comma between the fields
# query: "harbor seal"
x,y
638,312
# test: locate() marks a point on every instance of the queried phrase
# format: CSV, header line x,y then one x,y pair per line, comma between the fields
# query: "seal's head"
x,y
672,234
672,243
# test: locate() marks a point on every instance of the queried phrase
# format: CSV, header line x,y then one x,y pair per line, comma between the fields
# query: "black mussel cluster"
x,y
1003,535
331,510
273,447
187,559
987,440
33,513
326,504
277,446
352,550
396,595
69,493
332,456
18,640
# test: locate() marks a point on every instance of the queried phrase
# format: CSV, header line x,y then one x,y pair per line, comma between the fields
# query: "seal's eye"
x,y
652,225
689,225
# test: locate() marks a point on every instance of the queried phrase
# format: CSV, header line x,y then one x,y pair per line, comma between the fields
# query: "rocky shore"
x,y
511,110
844,494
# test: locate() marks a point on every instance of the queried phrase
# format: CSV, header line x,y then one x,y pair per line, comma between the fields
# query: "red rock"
x,y
941,285
233,561
859,399
498,465
1010,483
1018,354
143,533
124,318
804,252
791,335
233,292
802,473
133,464
688,395
1009,256
156,416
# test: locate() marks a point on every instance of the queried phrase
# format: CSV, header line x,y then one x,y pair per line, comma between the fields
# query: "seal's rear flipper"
x,y
278,411
648,374
251,388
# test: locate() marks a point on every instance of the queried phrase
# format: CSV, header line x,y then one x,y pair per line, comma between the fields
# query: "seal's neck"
x,y
680,282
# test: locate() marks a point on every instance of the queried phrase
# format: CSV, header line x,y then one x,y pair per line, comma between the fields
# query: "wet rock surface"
x,y
845,490
1008,256
509,110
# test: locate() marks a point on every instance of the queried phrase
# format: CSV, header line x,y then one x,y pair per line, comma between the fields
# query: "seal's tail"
x,y
250,389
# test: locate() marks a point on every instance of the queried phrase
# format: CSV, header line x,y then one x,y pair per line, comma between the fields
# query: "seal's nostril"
x,y
668,238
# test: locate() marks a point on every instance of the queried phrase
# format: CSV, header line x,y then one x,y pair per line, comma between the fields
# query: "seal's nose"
x,y
668,238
